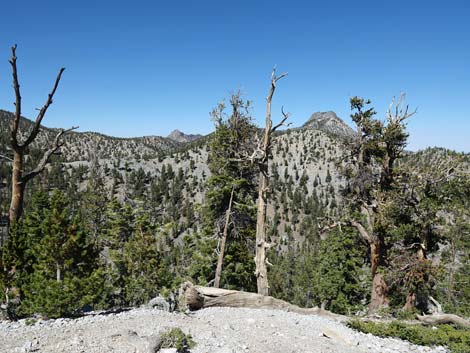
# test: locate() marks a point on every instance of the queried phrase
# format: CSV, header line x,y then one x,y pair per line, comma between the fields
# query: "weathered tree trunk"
x,y
17,188
262,245
19,176
220,258
379,294
379,291
439,319
196,297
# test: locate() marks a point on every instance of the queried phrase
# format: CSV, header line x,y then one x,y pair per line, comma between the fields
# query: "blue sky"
x,y
147,67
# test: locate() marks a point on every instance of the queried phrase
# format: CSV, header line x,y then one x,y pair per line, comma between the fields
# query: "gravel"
x,y
221,330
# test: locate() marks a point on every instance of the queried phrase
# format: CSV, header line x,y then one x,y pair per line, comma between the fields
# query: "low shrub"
x,y
176,338
456,339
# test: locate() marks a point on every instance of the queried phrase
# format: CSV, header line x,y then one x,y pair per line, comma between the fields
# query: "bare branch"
x,y
436,303
47,155
274,79
401,111
16,120
43,110
362,231
285,116
5,157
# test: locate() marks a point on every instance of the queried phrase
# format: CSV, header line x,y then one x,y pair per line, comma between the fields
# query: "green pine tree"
x,y
66,276
340,275
146,272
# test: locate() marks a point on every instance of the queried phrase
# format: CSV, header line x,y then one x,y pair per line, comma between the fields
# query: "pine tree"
x,y
18,258
340,275
371,175
66,276
231,192
116,232
428,211
146,273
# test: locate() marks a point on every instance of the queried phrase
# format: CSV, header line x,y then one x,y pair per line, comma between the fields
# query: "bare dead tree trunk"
x,y
19,176
196,297
262,245
17,187
440,319
223,240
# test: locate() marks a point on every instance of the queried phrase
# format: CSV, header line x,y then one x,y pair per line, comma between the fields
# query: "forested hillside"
x,y
112,222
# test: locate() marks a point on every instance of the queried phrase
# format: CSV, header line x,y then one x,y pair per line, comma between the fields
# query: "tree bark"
x,y
379,291
220,259
261,244
379,294
17,188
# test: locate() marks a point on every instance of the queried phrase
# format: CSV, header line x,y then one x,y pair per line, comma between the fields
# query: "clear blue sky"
x,y
147,67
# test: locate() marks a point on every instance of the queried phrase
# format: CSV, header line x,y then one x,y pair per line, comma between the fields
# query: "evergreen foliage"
x,y
112,233
146,272
57,263
230,145
342,287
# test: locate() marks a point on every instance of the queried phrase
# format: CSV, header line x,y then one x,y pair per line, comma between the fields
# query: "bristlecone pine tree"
x,y
371,177
427,199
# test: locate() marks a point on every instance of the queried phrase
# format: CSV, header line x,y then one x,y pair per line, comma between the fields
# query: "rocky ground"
x,y
222,330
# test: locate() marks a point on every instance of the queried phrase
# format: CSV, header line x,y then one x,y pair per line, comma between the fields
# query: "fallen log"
x,y
440,319
197,297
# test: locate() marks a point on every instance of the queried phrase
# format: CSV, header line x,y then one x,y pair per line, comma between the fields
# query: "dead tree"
x,y
264,151
19,176
441,319
197,297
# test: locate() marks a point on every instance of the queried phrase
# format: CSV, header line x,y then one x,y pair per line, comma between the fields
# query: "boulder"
x,y
159,303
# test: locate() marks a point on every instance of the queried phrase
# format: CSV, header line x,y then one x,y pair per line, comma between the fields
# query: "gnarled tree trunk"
x,y
379,294
196,297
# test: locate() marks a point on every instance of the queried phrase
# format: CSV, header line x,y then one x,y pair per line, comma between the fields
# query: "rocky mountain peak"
x,y
179,136
329,122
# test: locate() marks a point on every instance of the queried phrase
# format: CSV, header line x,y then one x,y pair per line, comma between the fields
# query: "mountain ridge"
x,y
179,136
324,121
329,122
